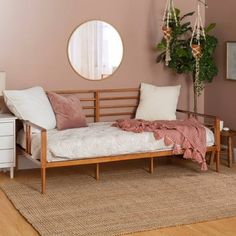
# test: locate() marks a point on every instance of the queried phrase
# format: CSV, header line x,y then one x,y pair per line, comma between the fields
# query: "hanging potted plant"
x,y
169,20
190,50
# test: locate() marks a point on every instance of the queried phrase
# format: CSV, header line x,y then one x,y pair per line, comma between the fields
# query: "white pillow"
x,y
31,104
158,103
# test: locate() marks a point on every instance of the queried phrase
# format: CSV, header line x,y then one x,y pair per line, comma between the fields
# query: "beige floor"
x,y
13,224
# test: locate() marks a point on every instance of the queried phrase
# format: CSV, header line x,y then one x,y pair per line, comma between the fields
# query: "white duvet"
x,y
99,139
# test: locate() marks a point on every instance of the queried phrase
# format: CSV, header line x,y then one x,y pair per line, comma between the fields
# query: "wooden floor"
x,y
13,224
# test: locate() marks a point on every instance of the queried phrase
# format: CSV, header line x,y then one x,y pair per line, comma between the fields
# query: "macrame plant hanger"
x,y
169,15
197,36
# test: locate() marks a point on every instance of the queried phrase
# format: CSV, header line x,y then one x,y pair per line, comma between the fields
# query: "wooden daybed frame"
x,y
119,103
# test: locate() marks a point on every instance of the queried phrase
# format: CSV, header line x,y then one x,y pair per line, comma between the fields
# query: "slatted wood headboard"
x,y
102,103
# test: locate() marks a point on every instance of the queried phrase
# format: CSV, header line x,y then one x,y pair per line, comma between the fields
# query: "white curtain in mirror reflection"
x,y
95,50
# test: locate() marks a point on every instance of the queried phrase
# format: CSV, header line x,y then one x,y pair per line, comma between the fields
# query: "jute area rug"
x,y
124,200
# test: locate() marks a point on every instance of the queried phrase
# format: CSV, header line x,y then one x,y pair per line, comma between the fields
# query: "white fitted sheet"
x,y
99,139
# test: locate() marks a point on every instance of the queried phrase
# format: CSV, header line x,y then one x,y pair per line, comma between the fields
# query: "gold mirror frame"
x,y
68,50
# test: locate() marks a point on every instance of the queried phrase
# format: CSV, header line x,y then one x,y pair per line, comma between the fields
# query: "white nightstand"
x,y
7,142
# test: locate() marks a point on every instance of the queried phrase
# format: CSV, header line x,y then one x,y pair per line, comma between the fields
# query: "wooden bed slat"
x,y
89,107
118,98
87,99
117,106
117,114
89,116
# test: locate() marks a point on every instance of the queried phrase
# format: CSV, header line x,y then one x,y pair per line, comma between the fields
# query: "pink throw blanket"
x,y
189,135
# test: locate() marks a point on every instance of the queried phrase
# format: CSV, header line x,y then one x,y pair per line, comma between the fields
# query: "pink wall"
x,y
34,35
220,96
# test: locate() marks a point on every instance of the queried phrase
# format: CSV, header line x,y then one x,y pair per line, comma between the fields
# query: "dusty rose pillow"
x,y
68,111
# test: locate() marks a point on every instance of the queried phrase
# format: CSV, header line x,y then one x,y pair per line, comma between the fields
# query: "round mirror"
x,y
95,50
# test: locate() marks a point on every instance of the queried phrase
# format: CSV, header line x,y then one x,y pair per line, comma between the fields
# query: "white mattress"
x,y
99,139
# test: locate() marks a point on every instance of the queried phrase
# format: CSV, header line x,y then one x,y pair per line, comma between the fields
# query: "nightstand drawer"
x,y
6,128
6,156
7,142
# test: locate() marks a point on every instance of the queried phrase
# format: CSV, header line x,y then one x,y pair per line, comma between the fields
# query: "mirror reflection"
x,y
95,50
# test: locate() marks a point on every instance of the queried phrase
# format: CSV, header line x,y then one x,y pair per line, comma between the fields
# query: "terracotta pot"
x,y
167,32
196,50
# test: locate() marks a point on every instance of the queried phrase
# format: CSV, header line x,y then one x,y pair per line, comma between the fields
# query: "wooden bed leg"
x,y
97,176
43,180
211,158
151,165
217,143
43,160
217,156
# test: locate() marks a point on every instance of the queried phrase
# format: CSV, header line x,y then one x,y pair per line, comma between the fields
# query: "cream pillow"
x,y
31,104
158,103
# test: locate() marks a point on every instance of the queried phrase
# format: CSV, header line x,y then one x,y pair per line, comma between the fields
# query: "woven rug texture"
x,y
124,201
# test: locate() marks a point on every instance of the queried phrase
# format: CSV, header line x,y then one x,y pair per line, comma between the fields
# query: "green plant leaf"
x,y
210,27
177,12
160,57
161,46
185,25
186,15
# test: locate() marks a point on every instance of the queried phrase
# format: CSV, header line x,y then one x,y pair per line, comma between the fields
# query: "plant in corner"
x,y
182,60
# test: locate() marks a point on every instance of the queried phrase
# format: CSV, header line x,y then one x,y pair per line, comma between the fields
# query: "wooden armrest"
x,y
215,127
42,130
196,114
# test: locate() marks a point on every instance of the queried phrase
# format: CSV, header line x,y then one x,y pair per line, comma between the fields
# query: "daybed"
x,y
103,105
